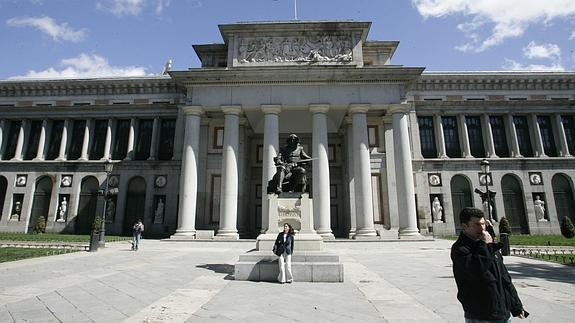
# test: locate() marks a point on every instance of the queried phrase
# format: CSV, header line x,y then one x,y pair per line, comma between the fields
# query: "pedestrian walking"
x,y
138,229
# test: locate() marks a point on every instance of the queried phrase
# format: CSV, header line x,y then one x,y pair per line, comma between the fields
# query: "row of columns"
x,y
511,133
86,139
362,191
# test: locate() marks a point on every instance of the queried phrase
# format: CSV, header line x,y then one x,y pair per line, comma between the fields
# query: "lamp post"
x,y
108,167
486,179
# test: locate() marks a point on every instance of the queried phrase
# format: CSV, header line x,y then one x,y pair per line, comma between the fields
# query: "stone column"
x,y
463,135
439,136
404,172
362,173
108,142
561,138
42,141
512,136
488,135
20,141
86,139
2,127
350,173
154,141
536,135
320,169
131,138
229,187
64,141
270,150
189,172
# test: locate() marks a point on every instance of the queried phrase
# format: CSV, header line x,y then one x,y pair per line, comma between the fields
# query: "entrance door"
x,y
135,204
3,186
87,205
460,197
563,194
514,204
41,202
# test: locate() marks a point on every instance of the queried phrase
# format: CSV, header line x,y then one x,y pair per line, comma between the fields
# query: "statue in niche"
x,y
159,212
491,203
437,210
290,175
539,209
62,209
110,210
17,210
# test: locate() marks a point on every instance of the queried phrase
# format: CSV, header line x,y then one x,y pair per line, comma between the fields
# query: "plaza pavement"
x,y
169,281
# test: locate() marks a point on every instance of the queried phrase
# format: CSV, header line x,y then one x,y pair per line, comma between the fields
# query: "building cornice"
x,y
495,81
87,87
296,75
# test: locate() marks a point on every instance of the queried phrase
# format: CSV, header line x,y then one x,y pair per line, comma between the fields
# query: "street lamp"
x,y
108,167
486,179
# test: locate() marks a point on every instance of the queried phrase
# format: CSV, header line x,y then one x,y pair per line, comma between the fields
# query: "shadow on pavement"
x,y
220,269
564,274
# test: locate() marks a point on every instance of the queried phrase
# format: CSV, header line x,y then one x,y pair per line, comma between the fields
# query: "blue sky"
x,y
74,38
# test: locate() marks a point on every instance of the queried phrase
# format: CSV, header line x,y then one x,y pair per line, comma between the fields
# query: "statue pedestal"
x,y
309,262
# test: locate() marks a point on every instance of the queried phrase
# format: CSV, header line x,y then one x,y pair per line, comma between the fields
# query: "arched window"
x,y
41,202
563,194
514,204
87,205
460,197
135,203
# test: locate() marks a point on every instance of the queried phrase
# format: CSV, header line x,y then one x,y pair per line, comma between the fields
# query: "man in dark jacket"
x,y
484,286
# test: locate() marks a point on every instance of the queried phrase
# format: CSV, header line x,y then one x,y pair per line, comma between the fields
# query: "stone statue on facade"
x,y
16,213
437,210
290,175
539,209
491,211
167,67
159,212
62,209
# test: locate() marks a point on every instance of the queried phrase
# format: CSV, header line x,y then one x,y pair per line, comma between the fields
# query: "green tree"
x,y
40,226
97,224
567,228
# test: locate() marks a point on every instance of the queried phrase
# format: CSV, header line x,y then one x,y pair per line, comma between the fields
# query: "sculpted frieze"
x,y
299,49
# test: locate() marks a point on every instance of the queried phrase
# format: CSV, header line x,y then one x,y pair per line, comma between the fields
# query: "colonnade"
x,y
362,190
24,136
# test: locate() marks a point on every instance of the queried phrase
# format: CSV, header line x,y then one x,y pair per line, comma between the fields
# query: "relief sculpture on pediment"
x,y
298,49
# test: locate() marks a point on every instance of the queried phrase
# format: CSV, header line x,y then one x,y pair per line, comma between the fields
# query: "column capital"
x,y
192,109
319,108
359,108
271,108
398,108
232,109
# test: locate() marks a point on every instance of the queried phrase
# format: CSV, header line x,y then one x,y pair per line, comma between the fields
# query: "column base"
x,y
326,235
410,234
227,235
38,159
184,234
365,233
60,159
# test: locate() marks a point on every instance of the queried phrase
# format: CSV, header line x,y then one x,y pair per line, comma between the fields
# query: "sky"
x,y
110,38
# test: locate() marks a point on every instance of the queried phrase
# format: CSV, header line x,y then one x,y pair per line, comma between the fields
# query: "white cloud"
x,y
121,7
572,36
161,4
518,67
510,18
84,66
49,26
547,51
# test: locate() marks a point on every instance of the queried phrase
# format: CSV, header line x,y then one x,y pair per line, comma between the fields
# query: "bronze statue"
x,y
290,175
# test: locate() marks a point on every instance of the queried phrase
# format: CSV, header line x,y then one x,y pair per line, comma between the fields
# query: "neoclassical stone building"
x,y
192,150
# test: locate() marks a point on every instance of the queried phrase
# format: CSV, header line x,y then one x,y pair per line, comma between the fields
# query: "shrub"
x,y
504,226
97,224
567,228
40,226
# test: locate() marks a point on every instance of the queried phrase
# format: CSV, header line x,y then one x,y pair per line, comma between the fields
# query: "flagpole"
x,y
295,9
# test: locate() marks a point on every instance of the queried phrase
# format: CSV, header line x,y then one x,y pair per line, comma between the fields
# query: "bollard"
x,y
504,238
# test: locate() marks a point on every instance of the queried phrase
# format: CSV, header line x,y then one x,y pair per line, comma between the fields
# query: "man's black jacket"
x,y
484,286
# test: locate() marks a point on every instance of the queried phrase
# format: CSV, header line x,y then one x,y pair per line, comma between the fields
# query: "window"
x,y
120,102
78,104
373,136
54,140
523,138
99,136
499,137
547,135
121,139
450,132
569,127
427,137
475,136
167,131
432,99
144,140
11,140
77,139
33,140
517,99
475,99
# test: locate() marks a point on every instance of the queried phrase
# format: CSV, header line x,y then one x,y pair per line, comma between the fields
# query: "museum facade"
x,y
396,151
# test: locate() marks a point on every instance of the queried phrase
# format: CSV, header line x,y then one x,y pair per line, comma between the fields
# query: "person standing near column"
x,y
283,248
